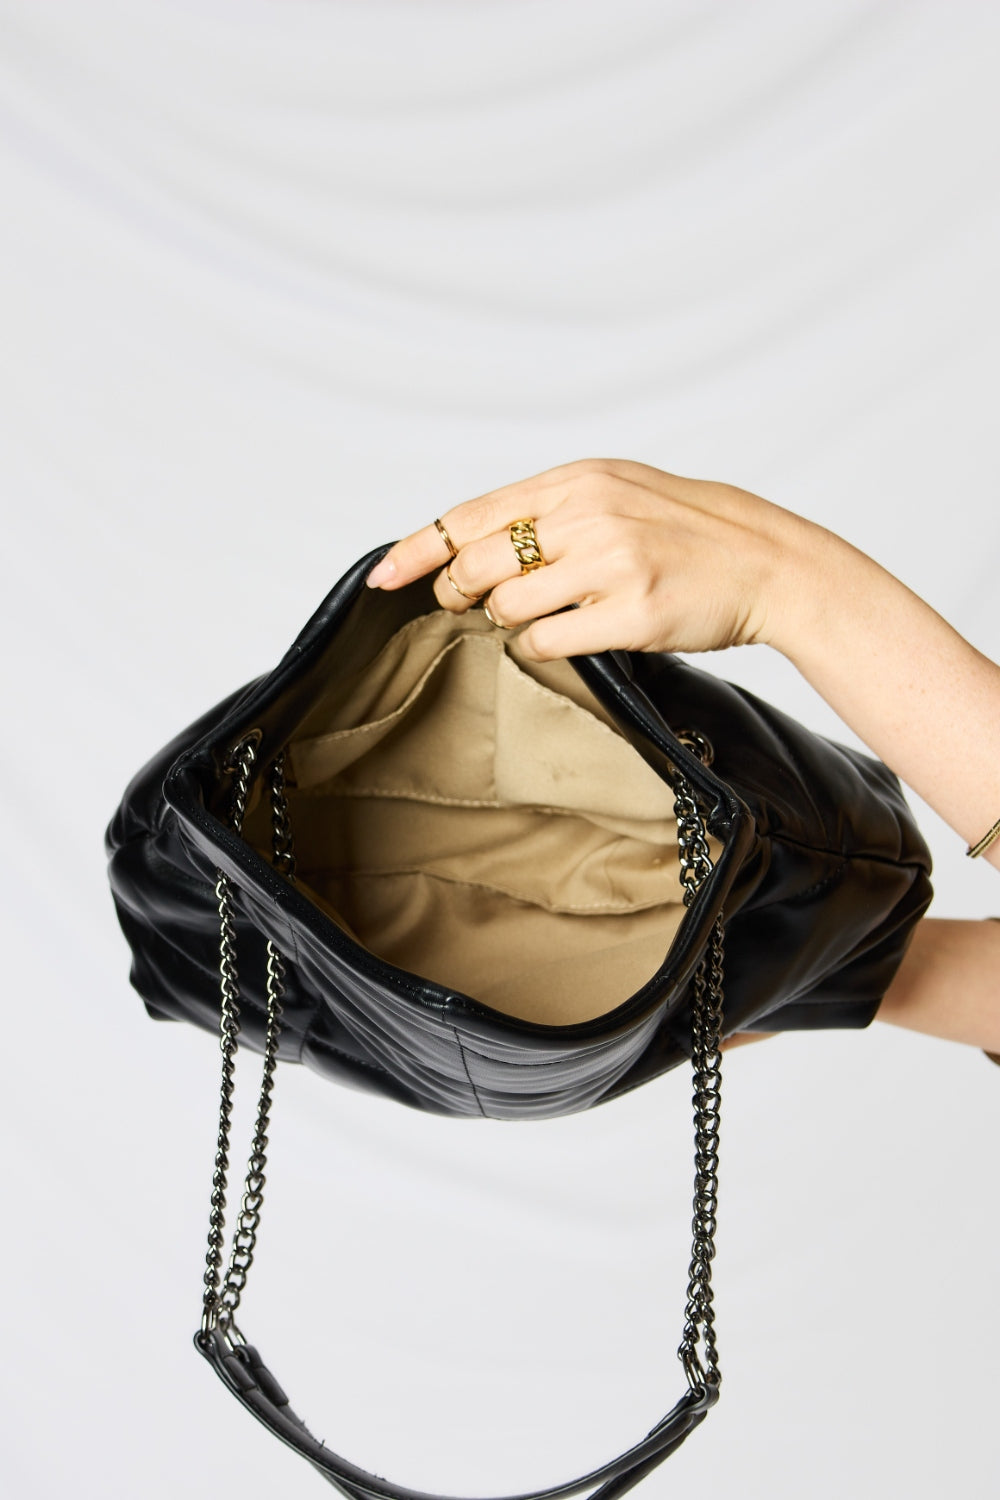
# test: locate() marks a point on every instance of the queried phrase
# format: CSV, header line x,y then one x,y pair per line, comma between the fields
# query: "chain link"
x,y
222,1295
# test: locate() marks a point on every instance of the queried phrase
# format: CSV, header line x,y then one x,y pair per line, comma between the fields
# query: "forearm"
x,y
919,695
948,984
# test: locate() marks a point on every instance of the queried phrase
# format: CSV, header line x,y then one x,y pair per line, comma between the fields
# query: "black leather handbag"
x,y
485,887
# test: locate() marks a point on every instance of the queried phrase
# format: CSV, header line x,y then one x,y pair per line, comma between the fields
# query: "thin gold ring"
x,y
472,598
452,549
525,543
493,619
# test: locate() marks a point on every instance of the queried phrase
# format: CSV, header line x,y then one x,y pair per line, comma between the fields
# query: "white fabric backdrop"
x,y
281,281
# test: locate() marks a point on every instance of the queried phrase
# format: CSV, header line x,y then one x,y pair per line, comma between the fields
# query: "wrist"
x,y
811,574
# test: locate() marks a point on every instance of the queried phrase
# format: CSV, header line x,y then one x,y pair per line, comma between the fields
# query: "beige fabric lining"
x,y
476,820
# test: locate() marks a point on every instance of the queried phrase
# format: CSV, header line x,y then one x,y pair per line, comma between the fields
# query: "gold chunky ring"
x,y
526,548
452,549
472,598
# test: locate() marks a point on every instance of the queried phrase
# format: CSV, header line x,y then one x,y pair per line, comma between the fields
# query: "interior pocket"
x,y
485,829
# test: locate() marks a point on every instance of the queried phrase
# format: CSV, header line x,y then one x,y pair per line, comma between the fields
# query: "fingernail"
x,y
381,573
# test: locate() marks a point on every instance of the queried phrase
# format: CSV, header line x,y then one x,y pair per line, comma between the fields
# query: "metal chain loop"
x,y
692,834
706,1059
221,1304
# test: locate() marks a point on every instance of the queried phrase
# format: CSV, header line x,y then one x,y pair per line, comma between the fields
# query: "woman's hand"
x,y
660,563
654,561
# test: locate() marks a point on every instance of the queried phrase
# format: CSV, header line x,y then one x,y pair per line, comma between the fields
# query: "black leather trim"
x,y
241,1368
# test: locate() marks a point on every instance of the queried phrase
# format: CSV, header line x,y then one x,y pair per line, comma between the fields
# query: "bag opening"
x,y
476,819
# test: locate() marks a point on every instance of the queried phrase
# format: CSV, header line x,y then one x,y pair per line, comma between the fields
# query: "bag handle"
x,y
239,1365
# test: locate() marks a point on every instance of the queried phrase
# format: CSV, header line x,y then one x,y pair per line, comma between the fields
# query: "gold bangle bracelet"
x,y
974,850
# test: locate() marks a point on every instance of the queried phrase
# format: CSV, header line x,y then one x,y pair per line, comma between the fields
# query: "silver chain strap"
x,y
706,1061
222,1295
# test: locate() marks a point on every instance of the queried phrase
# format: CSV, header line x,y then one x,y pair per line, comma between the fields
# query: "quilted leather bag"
x,y
484,887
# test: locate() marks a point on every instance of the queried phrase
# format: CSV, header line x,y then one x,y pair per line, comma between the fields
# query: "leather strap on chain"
x,y
240,1366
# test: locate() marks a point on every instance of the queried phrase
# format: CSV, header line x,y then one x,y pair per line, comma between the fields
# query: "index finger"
x,y
415,555
425,551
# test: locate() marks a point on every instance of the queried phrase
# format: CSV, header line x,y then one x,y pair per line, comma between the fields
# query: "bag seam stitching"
x,y
465,1066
